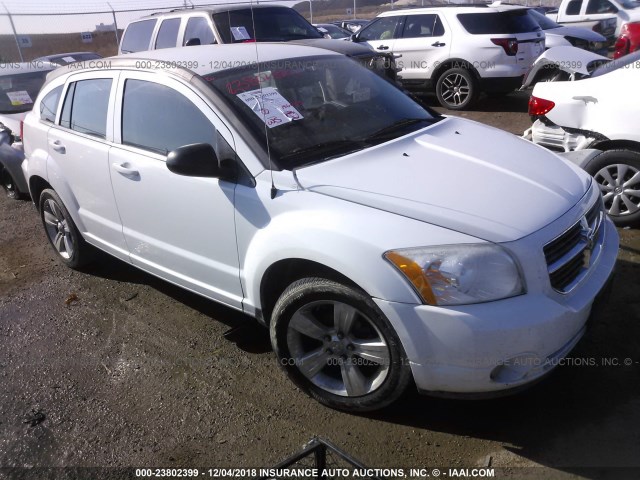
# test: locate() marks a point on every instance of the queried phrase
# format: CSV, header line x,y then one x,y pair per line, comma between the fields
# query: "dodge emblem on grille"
x,y
589,233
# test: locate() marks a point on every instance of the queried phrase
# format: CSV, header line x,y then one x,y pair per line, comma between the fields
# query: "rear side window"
x,y
573,8
49,105
512,21
138,36
157,118
168,33
86,105
381,29
198,27
416,26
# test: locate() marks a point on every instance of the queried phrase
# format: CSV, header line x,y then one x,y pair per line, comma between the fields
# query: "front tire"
x,y
457,89
334,343
62,232
617,173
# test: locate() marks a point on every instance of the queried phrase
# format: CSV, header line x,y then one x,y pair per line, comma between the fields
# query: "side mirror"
x,y
354,37
195,160
192,41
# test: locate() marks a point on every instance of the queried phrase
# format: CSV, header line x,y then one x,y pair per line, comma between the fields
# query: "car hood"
x,y
346,48
457,174
577,32
568,59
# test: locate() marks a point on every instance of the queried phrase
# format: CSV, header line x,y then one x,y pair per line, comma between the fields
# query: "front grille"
x,y
570,255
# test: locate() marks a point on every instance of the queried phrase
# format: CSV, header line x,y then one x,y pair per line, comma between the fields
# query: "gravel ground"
x,y
113,368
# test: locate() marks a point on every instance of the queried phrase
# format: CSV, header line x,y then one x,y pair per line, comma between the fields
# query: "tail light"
x,y
539,106
621,47
22,131
510,45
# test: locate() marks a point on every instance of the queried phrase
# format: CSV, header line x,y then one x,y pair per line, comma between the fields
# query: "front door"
x,y
179,228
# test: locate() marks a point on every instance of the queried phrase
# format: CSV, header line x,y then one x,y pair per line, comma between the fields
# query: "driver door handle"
x,y
383,47
438,44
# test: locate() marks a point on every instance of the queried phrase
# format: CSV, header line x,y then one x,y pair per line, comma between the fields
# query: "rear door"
x,y
380,33
79,158
179,228
422,41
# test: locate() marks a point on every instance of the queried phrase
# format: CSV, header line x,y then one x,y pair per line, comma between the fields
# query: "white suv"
x,y
406,245
458,51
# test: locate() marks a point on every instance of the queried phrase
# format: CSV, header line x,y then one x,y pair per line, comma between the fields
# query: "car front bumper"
x,y
483,349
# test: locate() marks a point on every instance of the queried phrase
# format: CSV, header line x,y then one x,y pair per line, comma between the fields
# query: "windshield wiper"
x,y
322,151
391,130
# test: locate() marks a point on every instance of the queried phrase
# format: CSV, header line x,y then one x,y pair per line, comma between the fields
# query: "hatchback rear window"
x,y
491,23
18,92
138,36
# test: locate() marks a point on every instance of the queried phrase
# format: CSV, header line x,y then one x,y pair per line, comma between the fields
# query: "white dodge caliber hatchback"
x,y
380,242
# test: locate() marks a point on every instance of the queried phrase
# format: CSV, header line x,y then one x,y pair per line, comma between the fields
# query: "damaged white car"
x,y
593,111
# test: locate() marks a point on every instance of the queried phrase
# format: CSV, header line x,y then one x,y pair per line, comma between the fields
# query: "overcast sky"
x,y
72,23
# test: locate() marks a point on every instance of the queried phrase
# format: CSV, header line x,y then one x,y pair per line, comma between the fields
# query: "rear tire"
x,y
335,344
457,89
62,232
617,173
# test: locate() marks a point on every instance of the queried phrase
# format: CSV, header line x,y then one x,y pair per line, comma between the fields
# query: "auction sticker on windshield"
x,y
271,107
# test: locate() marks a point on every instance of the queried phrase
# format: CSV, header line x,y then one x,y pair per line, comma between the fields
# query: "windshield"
x,y
316,108
19,91
545,22
273,24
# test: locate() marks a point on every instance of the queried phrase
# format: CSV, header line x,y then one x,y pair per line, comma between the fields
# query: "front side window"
x,y
198,27
168,33
600,6
138,36
86,105
310,107
381,29
49,105
158,118
417,26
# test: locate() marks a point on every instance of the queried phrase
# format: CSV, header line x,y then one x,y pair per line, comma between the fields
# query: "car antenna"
x,y
274,190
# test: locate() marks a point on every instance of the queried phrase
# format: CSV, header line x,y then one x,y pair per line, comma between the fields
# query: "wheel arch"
x,y
36,185
607,144
279,275
453,63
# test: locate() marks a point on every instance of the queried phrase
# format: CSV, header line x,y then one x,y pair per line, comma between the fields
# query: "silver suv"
x,y
458,51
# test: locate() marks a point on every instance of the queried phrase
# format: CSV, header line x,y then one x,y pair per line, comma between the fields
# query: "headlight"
x,y
459,274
